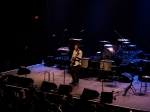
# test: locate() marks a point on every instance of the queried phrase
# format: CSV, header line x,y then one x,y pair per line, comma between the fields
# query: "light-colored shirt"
x,y
78,57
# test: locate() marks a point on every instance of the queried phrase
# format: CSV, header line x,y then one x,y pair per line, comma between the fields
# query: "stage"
x,y
130,100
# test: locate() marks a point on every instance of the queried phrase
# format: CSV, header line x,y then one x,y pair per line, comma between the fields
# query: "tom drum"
x,y
108,53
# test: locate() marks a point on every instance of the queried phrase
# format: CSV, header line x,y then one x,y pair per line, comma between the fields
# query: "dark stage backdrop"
x,y
98,19
22,35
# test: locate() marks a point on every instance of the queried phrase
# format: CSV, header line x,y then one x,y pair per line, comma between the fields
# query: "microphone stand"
x,y
64,35
122,53
25,56
120,37
64,71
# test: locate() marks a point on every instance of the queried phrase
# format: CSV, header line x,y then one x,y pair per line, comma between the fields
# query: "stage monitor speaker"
x,y
23,70
47,86
65,89
126,77
91,94
26,82
106,97
13,80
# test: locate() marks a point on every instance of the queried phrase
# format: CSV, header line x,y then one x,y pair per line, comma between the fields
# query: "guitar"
x,y
74,59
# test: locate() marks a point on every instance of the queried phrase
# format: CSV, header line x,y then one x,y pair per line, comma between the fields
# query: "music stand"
x,y
131,85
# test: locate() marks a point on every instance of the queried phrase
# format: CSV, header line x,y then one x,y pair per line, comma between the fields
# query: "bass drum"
x,y
108,53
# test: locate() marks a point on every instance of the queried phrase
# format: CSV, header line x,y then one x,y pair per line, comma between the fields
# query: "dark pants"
x,y
75,73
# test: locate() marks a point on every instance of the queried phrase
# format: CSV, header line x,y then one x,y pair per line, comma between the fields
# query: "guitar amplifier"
x,y
23,70
85,62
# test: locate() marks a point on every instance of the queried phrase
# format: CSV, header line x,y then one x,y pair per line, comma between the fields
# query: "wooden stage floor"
x,y
130,100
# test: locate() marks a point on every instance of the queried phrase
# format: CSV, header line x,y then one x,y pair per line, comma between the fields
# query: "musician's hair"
x,y
77,44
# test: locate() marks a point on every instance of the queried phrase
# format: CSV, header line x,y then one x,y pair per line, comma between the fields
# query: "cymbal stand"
x,y
64,37
120,37
101,50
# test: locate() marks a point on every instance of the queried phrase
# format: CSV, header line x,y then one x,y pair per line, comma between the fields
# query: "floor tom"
x,y
106,65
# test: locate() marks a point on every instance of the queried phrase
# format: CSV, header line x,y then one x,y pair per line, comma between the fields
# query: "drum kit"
x,y
107,50
123,50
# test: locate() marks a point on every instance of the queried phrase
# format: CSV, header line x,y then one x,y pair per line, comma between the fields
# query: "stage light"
x,y
36,17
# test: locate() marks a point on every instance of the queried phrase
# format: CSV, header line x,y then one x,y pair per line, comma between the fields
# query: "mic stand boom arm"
x,y
118,34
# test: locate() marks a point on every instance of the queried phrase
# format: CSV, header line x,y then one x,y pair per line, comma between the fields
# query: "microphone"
x,y
53,35
26,47
65,29
96,28
82,31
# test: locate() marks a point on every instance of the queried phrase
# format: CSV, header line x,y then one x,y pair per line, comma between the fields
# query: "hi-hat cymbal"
x,y
108,45
132,45
126,42
123,40
104,41
98,52
74,39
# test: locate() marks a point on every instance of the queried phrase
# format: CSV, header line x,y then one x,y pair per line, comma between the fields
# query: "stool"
x,y
144,79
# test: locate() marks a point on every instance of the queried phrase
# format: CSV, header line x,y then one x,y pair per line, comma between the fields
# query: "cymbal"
x,y
98,52
123,40
104,41
75,39
108,45
132,45
126,42
146,60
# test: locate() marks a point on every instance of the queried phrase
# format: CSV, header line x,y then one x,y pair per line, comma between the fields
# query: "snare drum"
x,y
108,53
106,65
